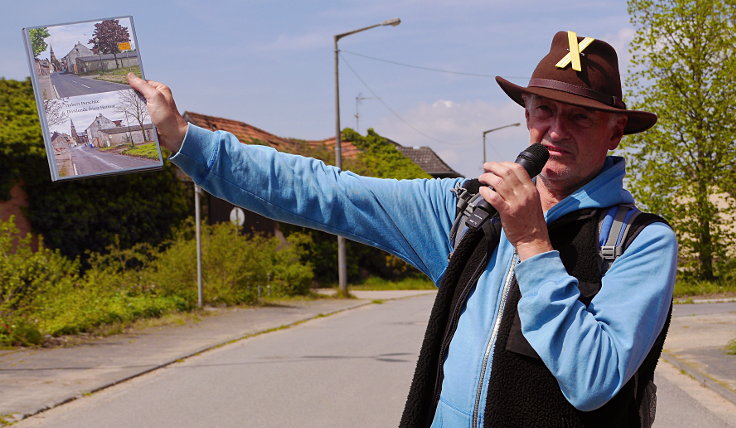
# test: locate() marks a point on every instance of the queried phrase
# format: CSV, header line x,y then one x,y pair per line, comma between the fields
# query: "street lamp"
x,y
342,271
491,130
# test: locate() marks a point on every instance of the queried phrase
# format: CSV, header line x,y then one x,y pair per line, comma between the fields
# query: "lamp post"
x,y
491,130
342,271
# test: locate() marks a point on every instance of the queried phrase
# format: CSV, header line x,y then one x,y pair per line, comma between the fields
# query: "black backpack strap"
x,y
467,198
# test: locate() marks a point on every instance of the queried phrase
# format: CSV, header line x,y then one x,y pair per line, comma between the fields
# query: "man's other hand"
x,y
170,124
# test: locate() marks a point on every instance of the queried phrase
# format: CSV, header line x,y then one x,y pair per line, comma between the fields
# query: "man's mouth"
x,y
556,150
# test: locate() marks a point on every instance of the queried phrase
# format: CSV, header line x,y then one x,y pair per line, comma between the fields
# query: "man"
x,y
527,330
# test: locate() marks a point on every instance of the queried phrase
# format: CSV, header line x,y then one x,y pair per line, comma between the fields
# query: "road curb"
x,y
701,377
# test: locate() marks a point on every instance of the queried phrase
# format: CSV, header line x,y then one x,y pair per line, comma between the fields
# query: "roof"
x,y
244,132
424,156
124,129
348,149
94,58
428,160
250,134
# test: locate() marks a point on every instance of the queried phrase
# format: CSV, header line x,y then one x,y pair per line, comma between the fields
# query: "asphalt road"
x,y
352,369
68,85
88,160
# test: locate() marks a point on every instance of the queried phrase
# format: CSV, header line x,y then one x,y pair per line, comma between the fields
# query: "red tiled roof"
x,y
246,133
250,134
348,149
423,156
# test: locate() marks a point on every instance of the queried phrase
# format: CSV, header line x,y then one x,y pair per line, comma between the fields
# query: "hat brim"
x,y
638,120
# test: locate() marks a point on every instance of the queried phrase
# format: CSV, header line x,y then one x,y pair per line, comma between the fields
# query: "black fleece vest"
x,y
522,391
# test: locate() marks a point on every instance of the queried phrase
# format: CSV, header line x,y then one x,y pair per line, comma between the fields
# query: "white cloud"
x,y
454,130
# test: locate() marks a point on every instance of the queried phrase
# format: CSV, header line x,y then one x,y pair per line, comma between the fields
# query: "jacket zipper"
x,y
453,320
492,341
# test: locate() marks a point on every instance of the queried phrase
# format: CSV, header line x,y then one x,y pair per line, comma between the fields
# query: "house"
x,y
69,61
221,211
428,160
90,63
103,132
126,134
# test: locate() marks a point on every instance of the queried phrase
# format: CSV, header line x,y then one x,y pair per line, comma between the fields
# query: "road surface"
x,y
69,85
352,369
88,160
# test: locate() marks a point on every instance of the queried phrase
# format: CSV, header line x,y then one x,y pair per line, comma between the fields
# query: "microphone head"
x,y
533,159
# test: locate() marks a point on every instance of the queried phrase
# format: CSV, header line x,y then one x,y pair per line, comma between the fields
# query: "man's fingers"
x,y
141,86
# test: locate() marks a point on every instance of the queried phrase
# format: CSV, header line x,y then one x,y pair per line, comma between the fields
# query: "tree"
x,y
38,40
683,63
106,36
134,105
55,110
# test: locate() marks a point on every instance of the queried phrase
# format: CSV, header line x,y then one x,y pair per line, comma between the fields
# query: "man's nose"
x,y
558,128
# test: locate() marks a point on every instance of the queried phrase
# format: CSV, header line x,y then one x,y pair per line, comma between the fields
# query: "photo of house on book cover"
x,y
93,122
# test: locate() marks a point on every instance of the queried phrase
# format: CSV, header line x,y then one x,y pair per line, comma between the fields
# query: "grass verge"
x,y
686,289
146,150
375,283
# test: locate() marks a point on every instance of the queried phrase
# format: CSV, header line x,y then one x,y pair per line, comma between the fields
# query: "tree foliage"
x,y
380,158
84,215
107,35
683,67
20,131
38,40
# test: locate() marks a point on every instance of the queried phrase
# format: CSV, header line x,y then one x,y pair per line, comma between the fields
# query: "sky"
x,y
270,63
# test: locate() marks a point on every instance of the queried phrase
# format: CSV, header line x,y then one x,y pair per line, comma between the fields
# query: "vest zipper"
x,y
492,341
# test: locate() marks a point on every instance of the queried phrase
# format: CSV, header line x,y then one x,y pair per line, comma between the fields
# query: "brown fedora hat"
x,y
589,79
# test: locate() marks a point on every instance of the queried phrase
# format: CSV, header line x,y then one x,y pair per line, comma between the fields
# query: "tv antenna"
x,y
358,100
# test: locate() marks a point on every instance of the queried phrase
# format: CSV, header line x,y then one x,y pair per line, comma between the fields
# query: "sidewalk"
x,y
34,380
696,345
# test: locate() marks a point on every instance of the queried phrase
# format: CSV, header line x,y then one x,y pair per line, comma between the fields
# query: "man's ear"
x,y
617,131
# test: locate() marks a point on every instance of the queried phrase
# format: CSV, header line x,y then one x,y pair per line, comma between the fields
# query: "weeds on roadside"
x,y
42,293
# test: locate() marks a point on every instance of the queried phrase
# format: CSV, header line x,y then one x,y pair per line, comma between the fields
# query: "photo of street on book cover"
x,y
93,123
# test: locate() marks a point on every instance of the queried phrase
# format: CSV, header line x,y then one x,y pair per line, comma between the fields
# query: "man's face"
x,y
578,140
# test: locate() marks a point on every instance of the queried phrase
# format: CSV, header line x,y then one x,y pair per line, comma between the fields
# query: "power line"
x,y
401,119
419,67
386,105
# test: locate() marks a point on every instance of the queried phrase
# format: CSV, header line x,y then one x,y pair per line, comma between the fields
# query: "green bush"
x,y
26,277
43,293
233,266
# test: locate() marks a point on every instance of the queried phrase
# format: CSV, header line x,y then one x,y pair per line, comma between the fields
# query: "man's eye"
x,y
583,119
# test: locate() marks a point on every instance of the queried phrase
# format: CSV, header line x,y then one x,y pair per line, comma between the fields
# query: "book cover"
x,y
93,122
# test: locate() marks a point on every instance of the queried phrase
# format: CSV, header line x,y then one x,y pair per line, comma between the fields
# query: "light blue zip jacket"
x,y
592,351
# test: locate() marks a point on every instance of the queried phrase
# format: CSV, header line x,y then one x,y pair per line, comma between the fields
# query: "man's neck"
x,y
549,195
551,192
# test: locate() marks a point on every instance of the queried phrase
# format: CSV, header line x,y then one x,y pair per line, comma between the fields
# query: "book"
x,y
93,122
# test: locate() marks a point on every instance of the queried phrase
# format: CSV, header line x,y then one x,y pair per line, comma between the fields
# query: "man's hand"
x,y
170,124
515,197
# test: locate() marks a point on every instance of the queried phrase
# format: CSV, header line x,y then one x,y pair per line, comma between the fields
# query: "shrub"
x,y
233,266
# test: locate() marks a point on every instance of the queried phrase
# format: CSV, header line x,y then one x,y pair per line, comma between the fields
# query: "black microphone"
x,y
532,159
